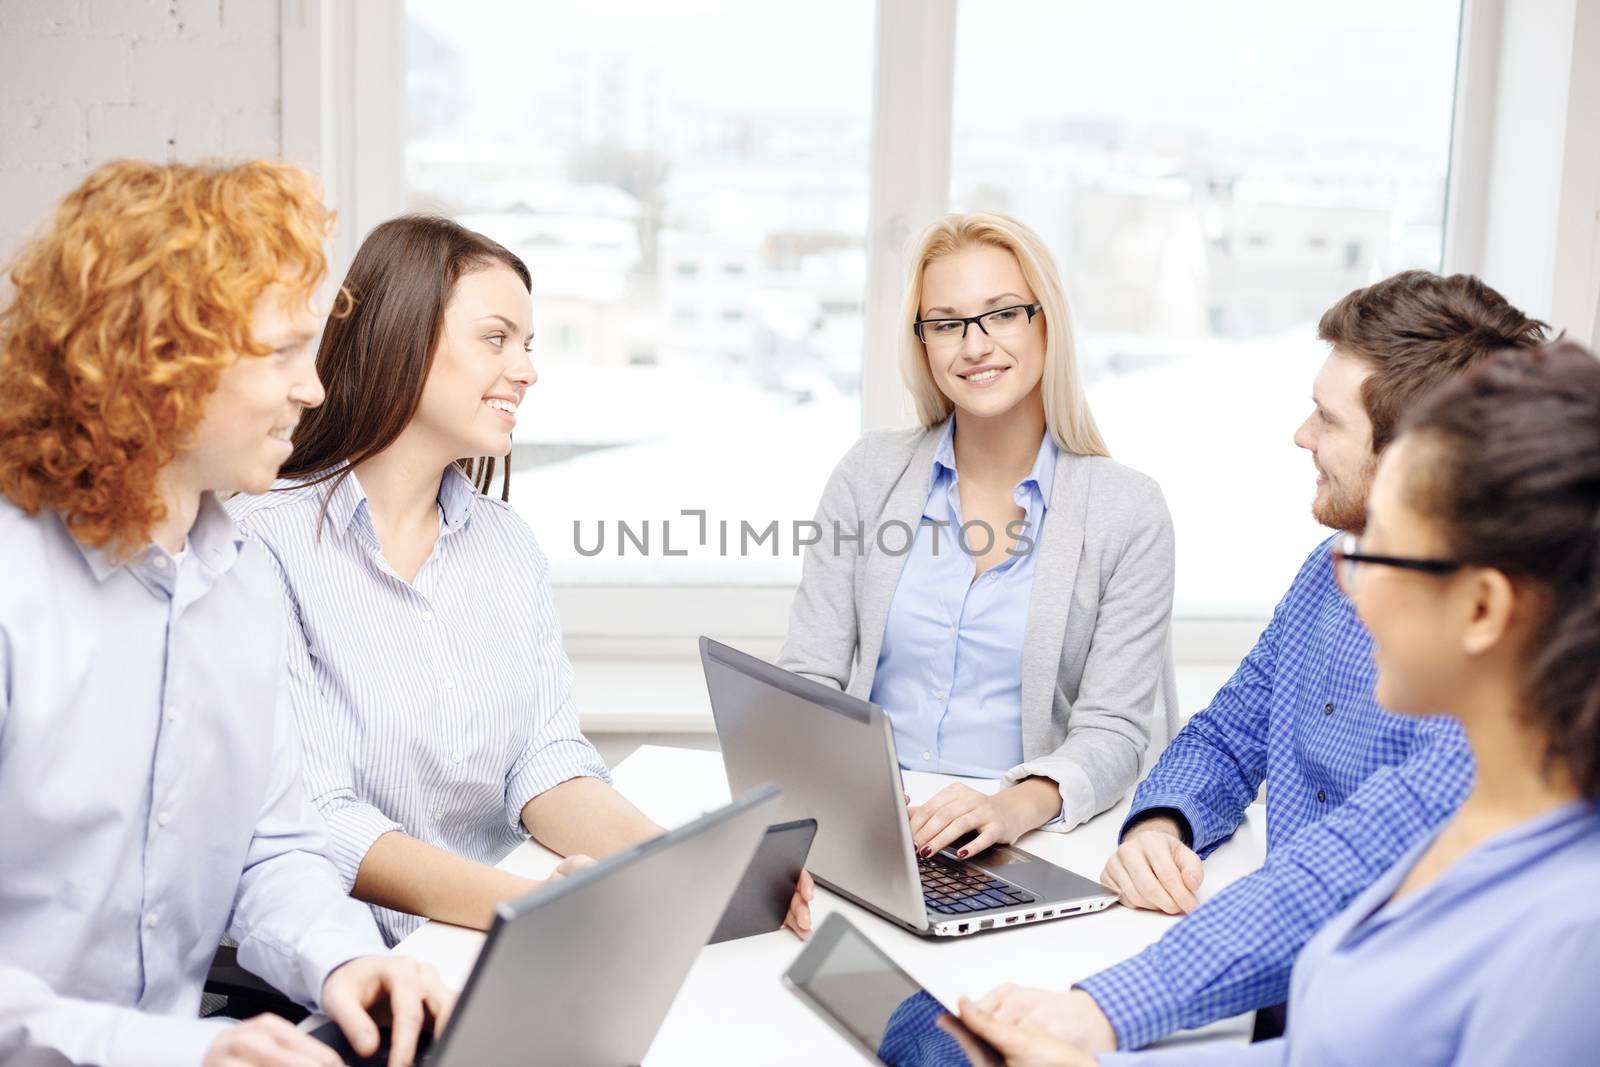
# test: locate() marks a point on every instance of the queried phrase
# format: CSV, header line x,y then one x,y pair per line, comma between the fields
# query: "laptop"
x,y
833,755
581,972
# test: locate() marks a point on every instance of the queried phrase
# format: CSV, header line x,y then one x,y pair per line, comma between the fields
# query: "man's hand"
x,y
1153,869
411,989
1073,1016
799,917
957,810
268,1041
1021,1046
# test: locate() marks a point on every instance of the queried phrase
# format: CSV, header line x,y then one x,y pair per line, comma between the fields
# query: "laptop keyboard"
x,y
956,888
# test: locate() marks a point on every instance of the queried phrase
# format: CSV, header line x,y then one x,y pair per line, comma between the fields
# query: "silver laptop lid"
x,y
583,972
833,756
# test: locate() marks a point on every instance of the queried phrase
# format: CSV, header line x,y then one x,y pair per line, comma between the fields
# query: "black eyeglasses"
x,y
997,323
1347,555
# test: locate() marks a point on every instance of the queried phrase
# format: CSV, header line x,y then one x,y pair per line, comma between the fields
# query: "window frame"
x,y
356,141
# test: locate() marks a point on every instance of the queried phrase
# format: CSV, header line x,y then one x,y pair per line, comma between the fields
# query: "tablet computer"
x,y
761,902
876,1006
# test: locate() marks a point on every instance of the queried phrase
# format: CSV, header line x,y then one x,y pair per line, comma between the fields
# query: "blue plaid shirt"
x,y
1352,787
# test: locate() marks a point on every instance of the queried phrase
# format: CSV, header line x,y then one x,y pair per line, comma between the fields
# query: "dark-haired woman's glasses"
x,y
1347,558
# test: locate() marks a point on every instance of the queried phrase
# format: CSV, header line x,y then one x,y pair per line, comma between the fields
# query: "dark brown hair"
x,y
1416,330
377,350
1513,475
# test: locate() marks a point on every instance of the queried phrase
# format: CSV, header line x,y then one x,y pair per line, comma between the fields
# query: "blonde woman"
x,y
1008,598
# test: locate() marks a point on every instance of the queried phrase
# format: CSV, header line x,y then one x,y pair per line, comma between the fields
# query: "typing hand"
x,y
413,990
268,1041
958,810
1021,1046
1073,1016
1153,869
799,917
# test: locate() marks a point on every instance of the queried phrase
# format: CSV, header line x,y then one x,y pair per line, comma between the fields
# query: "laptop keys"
x,y
954,889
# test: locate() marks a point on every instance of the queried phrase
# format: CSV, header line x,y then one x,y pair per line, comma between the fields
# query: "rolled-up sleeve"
x,y
555,750
1110,726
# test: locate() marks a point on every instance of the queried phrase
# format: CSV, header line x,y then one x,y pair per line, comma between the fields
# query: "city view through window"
x,y
695,221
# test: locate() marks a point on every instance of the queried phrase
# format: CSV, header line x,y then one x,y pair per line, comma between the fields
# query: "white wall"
x,y
84,81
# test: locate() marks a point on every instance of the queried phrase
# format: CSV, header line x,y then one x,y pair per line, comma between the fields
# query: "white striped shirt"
x,y
437,707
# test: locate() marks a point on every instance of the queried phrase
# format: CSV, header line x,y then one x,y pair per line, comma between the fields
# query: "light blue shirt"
x,y
439,706
950,669
1493,963
150,796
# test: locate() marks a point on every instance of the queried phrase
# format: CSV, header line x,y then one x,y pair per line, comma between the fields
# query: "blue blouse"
x,y
950,669
1493,963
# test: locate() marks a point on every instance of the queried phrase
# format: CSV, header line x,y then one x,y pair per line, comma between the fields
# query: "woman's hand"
x,y
957,810
799,917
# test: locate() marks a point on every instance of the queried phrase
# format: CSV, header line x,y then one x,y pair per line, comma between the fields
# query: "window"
x,y
694,218
1185,163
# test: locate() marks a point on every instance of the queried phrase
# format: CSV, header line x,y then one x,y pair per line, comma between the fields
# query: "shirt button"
x,y
449,683
164,818
927,755
1327,709
426,616
455,757
438,816
150,920
952,631
159,561
172,713
1322,798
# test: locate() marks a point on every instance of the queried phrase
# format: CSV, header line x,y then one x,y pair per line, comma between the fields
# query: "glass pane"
x,y
687,182
1211,177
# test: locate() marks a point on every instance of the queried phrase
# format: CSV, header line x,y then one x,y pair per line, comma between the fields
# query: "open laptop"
x,y
581,972
833,755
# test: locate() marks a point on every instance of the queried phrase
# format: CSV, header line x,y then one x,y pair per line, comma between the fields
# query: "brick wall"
x,y
84,81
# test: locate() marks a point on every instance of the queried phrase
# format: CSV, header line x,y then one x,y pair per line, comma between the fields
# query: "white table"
x,y
734,1001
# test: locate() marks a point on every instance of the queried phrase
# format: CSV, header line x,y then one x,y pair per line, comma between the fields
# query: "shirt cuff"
x,y
333,949
1135,997
351,831
557,762
1203,838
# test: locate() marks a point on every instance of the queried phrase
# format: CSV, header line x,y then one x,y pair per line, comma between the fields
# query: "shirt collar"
x,y
214,538
456,497
1042,475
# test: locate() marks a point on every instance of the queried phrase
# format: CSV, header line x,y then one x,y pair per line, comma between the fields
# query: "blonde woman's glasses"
x,y
999,323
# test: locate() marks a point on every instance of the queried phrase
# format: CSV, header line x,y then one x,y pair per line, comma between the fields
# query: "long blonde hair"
x,y
1066,409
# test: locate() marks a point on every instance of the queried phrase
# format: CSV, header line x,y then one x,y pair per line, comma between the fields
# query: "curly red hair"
x,y
125,312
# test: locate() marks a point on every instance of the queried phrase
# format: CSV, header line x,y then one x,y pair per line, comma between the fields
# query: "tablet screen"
x,y
878,1004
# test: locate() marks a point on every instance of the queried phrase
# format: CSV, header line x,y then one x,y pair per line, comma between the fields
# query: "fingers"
x,y
438,998
995,997
575,862
1116,879
1165,869
921,813
1148,886
960,827
404,986
344,998
269,1041
1006,1037
806,887
937,815
1194,872
799,919
967,1042
988,834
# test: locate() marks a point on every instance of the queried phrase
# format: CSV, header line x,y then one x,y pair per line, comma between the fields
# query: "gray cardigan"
x,y
1097,640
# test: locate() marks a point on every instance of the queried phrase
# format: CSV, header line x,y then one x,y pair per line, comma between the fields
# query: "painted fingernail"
x,y
962,854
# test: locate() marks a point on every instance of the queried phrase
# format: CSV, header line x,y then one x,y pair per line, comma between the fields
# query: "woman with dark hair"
x,y
1479,578
432,691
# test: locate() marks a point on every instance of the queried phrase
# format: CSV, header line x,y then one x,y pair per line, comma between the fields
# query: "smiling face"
x,y
1338,434
982,375
480,368
243,437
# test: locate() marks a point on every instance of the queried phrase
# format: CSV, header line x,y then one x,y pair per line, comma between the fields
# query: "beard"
x,y
1343,506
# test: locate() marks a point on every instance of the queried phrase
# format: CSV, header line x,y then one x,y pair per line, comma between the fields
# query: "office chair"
x,y
235,993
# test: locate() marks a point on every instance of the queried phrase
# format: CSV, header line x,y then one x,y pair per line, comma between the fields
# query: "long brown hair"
x,y
1512,473
377,350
